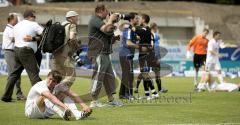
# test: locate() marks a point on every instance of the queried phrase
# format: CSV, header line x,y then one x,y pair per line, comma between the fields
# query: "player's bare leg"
x,y
220,77
41,103
196,78
44,104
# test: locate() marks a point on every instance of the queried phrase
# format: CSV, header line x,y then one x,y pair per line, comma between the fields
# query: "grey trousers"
x,y
9,57
24,57
126,88
103,75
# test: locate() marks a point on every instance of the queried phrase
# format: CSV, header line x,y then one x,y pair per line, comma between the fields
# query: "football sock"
x,y
150,84
73,108
53,107
159,84
138,83
220,78
196,78
145,85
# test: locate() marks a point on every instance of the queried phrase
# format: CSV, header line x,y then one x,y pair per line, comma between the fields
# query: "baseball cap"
x,y
71,13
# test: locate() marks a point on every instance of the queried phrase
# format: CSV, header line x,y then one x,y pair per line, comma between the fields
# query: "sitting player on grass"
x,y
207,83
47,97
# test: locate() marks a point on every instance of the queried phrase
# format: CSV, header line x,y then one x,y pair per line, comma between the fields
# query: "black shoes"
x,y
6,100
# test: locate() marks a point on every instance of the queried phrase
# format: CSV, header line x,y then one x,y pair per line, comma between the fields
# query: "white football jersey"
x,y
213,45
36,91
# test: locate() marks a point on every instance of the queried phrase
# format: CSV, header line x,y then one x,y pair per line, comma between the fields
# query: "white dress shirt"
x,y
24,28
8,42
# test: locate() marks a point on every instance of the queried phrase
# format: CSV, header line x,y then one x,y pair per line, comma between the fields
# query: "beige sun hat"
x,y
71,13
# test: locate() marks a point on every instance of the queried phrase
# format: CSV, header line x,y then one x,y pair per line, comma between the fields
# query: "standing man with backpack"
x,y
62,57
24,53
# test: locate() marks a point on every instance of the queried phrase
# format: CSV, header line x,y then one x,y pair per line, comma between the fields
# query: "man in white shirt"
x,y
212,61
24,53
8,46
42,103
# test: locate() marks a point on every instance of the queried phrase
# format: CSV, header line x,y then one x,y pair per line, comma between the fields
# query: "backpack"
x,y
53,37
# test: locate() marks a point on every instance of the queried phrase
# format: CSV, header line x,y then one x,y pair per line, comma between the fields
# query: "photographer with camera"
x,y
62,58
101,38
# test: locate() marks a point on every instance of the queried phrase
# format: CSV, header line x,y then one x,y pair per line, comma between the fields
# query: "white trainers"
x,y
155,96
131,98
115,103
84,115
149,98
163,90
145,98
96,104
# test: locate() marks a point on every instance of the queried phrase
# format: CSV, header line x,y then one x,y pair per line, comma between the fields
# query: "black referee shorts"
x,y
199,60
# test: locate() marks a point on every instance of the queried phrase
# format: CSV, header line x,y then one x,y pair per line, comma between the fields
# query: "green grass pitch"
x,y
194,108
